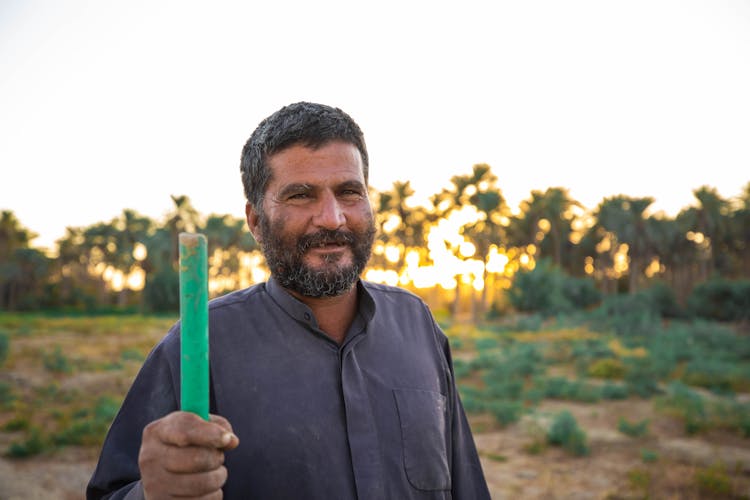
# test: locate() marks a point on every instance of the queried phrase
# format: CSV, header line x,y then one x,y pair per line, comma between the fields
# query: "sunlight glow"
x,y
588,265
467,249
118,280
392,224
654,268
621,260
605,244
496,261
392,254
136,279
389,276
140,252
696,237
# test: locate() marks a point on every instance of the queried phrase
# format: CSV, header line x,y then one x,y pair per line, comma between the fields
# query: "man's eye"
x,y
298,196
349,193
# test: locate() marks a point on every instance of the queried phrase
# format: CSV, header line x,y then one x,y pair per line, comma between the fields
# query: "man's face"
x,y
316,226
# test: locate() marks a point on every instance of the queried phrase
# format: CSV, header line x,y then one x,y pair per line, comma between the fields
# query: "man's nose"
x,y
330,214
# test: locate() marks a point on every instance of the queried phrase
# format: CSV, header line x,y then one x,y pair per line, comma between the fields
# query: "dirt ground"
x,y
664,464
681,467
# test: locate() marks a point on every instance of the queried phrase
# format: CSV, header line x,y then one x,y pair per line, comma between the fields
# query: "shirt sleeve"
x,y
467,477
153,394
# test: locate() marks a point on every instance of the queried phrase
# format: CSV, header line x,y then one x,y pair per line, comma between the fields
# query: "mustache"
x,y
325,237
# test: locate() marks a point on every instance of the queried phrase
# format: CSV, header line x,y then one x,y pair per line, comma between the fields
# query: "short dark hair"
x,y
309,124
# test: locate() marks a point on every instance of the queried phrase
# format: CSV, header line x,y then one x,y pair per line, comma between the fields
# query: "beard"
x,y
285,258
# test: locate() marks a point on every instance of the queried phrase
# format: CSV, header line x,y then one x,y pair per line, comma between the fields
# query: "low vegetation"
x,y
62,380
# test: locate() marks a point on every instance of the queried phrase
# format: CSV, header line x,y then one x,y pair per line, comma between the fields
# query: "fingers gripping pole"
x,y
194,324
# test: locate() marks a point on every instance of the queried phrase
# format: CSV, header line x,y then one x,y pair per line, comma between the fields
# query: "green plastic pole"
x,y
194,324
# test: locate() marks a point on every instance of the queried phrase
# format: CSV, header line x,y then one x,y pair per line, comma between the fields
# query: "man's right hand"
x,y
182,455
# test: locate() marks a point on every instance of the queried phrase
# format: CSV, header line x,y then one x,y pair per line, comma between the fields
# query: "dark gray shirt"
x,y
378,417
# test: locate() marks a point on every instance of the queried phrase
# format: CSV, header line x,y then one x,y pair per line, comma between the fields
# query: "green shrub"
x,y
455,343
717,341
161,290
547,290
628,315
504,388
721,300
640,479
530,323
582,293
461,368
591,349
4,347
614,391
730,415
6,395
555,387
642,376
486,344
89,425
573,390
17,424
740,418
721,377
472,399
607,368
674,345
136,355
566,433
663,298
713,481
687,404
56,361
649,456
505,412
34,444
632,429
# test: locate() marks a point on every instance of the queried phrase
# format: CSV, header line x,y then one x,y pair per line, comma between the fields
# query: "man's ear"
x,y
252,218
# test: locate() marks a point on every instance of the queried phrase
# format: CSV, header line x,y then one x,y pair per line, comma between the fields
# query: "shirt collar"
x,y
299,311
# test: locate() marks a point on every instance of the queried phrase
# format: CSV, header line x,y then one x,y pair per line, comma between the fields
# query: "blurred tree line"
x,y
551,253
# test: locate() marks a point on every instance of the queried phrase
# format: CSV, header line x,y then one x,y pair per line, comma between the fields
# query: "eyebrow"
x,y
304,187
352,185
294,188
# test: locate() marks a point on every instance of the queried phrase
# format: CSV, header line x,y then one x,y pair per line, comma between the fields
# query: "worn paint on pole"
x,y
194,324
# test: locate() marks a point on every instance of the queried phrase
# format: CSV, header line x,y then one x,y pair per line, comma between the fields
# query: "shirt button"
x,y
307,316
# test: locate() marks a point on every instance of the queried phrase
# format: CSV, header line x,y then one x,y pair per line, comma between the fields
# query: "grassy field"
x,y
560,409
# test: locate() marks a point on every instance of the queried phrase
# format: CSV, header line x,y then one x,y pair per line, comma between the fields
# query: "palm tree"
x,y
23,270
400,225
227,237
12,235
78,288
546,221
621,220
711,221
479,190
739,228
490,227
676,253
183,218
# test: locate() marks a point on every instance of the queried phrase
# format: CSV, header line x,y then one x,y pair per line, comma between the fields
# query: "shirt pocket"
x,y
424,435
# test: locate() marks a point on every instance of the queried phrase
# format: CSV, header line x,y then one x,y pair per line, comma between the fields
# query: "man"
x,y
335,388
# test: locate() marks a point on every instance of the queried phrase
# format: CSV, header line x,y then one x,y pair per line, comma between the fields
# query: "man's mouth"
x,y
335,240
328,247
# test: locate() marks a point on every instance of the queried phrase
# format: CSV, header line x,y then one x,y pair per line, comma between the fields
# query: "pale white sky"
x,y
109,105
